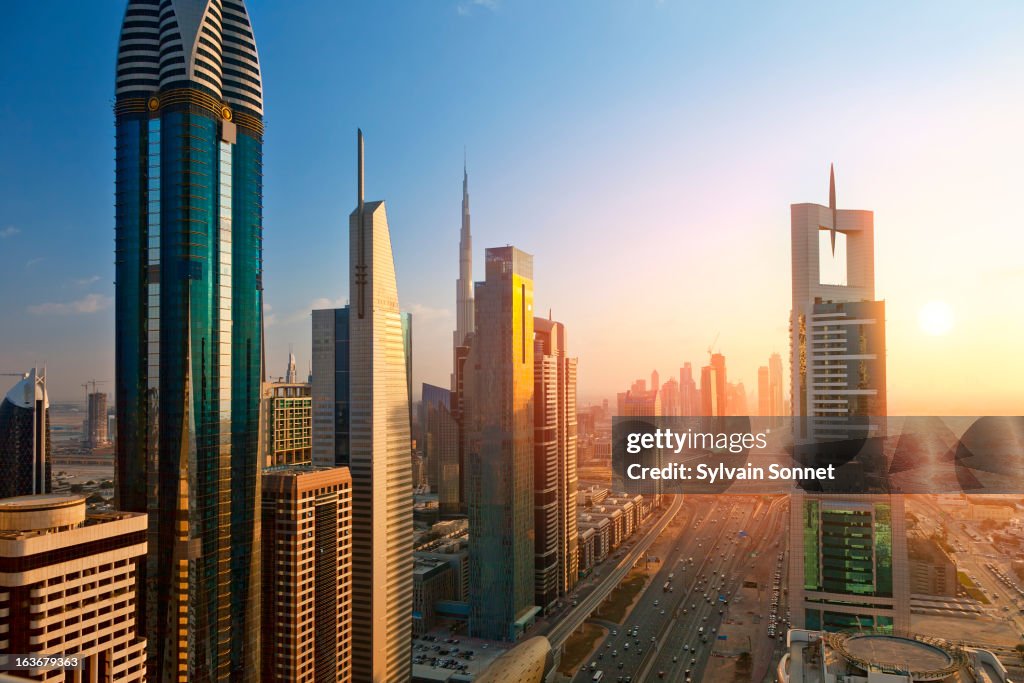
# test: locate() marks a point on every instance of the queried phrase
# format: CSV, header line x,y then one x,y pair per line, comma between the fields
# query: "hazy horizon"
x,y
645,153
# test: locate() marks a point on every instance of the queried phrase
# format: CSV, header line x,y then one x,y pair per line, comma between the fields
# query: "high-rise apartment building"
x,y
714,391
70,587
287,423
96,420
330,387
307,575
380,456
25,437
670,397
441,448
689,395
556,562
188,343
848,559
498,431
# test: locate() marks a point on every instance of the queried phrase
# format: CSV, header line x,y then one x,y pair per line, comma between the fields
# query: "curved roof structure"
x,y
181,43
527,662
22,394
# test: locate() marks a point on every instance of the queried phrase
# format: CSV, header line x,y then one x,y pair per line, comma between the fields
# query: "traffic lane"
x,y
606,662
644,613
688,638
683,637
558,632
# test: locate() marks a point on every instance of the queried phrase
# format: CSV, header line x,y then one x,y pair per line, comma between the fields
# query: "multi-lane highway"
x,y
589,601
671,632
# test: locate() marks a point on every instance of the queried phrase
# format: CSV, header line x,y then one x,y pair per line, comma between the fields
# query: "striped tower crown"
x,y
167,44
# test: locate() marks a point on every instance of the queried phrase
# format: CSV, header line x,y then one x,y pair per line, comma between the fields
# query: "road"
x,y
725,568
712,533
590,600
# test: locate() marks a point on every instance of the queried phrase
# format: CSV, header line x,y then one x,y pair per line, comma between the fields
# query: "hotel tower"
x,y
848,552
189,328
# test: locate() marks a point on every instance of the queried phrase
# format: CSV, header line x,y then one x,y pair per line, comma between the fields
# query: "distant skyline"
x,y
646,153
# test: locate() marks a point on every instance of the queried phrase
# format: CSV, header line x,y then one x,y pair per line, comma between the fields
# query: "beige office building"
x,y
380,454
68,587
288,421
307,575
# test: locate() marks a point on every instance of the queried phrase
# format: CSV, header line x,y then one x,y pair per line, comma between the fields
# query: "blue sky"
x,y
645,152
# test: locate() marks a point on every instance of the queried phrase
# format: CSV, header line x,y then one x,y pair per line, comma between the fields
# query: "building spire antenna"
x,y
360,274
359,134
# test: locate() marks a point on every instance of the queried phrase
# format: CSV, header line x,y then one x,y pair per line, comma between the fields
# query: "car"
x,y
614,632
653,639
675,659
661,674
655,603
626,646
622,664
615,653
693,661
607,645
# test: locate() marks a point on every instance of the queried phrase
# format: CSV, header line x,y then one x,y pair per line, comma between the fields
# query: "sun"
x,y
936,318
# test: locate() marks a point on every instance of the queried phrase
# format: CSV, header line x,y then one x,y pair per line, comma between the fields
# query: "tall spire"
x,y
832,186
360,273
464,285
359,134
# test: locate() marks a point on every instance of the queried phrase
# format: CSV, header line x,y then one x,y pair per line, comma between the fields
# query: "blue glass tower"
x,y
189,354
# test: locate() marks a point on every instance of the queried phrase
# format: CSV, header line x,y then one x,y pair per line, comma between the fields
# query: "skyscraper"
x,y
848,560
307,574
689,395
441,448
291,375
464,328
188,344
287,423
555,454
96,422
380,453
670,397
714,393
25,437
833,254
330,387
499,423
764,392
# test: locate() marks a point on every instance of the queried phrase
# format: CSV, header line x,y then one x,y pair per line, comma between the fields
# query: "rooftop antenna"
x,y
360,275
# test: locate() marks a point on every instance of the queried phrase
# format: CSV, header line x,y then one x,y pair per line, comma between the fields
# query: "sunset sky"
x,y
646,153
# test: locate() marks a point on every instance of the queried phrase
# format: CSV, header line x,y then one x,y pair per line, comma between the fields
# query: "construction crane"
x,y
711,346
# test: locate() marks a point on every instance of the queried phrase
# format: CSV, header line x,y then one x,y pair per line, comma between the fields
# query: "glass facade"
x,y
499,433
189,356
